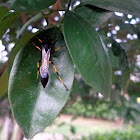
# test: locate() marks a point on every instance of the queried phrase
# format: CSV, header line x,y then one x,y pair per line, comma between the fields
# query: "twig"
x,y
69,4
23,18
51,19
32,20
7,5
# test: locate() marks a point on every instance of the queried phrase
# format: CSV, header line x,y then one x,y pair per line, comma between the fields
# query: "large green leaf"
x,y
94,15
30,5
6,22
88,52
19,44
35,107
4,83
5,76
126,6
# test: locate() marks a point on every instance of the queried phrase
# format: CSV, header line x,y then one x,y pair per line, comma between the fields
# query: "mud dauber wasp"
x,y
47,44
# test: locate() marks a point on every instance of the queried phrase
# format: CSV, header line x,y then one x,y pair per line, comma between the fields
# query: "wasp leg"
x,y
39,40
37,71
58,75
56,49
35,45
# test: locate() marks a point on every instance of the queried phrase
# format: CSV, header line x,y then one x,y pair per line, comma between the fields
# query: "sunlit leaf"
x,y
35,107
88,52
19,44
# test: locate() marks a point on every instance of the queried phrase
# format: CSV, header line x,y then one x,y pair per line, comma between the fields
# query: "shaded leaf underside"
x,y
126,6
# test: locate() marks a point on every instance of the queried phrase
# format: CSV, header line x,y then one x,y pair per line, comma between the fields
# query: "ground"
x,y
82,126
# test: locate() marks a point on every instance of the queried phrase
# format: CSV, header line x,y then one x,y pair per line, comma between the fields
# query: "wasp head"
x,y
47,42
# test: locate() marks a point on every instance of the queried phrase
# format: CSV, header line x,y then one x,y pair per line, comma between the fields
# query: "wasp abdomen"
x,y
44,81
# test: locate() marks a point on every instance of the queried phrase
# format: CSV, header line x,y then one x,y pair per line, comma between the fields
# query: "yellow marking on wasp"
x,y
57,49
36,46
61,80
37,74
39,40
57,73
55,68
37,65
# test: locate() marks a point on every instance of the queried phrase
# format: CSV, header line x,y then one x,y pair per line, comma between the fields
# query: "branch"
x,y
55,7
23,18
69,4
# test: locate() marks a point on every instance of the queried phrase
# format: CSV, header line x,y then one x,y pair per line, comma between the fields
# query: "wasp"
x,y
47,44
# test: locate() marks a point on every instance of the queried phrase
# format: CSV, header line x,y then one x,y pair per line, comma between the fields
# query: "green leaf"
x,y
30,5
88,52
19,44
73,129
3,12
127,6
79,86
35,107
5,76
94,15
6,22
4,83
119,52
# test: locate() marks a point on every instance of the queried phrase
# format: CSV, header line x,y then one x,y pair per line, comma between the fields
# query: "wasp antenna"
x,y
35,45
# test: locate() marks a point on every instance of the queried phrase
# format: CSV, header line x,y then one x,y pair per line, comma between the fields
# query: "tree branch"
x,y
69,4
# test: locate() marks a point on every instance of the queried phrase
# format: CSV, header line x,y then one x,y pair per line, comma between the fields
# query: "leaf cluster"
x,y
83,49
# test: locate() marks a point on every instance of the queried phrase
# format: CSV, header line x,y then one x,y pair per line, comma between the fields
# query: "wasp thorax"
x,y
46,46
45,63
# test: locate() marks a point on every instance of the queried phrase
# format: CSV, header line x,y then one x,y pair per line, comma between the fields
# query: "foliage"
x,y
33,107
97,110
94,60
122,109
115,135
128,133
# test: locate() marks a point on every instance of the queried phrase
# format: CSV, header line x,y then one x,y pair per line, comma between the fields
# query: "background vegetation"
x,y
100,55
